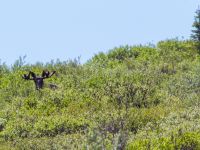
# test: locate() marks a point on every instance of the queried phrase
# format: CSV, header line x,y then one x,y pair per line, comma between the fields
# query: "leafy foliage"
x,y
132,97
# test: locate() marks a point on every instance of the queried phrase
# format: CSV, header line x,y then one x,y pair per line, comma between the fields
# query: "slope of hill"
x,y
133,97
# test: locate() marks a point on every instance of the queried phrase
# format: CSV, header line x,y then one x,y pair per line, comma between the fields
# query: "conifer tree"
x,y
196,31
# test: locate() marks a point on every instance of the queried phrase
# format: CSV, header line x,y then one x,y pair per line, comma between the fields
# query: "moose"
x,y
39,81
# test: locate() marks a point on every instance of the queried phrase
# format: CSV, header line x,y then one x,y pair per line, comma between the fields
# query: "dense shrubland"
x,y
132,97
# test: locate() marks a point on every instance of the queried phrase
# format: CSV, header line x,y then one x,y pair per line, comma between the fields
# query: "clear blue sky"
x,y
50,29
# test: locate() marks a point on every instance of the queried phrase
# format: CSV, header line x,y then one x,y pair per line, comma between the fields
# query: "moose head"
x,y
39,81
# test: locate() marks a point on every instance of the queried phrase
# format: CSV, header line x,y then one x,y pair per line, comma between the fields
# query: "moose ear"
x,y
33,74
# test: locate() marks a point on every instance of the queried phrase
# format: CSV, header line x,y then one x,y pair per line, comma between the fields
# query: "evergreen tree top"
x,y
196,25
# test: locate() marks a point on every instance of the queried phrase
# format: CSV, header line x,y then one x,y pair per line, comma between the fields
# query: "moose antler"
x,y
47,74
27,77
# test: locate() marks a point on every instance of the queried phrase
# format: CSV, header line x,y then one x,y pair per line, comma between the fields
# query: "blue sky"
x,y
48,29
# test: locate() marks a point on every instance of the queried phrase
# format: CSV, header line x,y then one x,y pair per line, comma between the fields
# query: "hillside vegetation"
x,y
132,97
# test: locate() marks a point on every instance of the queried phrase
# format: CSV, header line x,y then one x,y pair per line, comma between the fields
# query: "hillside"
x,y
132,97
